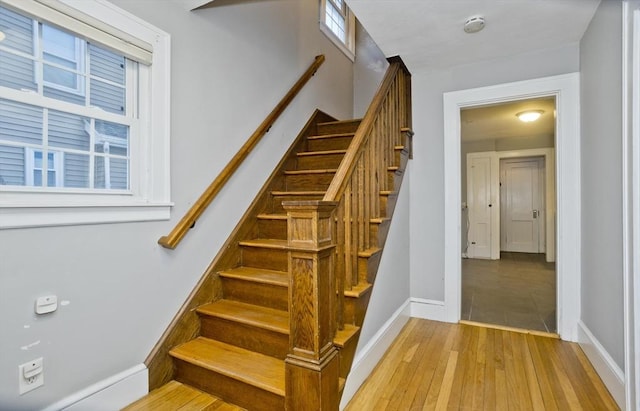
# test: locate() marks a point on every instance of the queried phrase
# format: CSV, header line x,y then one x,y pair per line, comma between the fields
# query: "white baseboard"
x,y
368,356
428,309
605,366
113,393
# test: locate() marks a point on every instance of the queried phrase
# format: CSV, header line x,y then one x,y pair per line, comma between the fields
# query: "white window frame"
x,y
149,196
348,47
58,166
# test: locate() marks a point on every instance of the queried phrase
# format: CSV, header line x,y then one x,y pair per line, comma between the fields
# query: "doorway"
x,y
508,278
565,89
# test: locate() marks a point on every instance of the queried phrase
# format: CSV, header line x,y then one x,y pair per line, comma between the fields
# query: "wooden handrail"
x,y
341,179
180,230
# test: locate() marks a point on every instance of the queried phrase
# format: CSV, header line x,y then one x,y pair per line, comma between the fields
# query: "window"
x,y
338,23
77,96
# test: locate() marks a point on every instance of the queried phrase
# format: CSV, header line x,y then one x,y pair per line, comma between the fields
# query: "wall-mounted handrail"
x,y
180,230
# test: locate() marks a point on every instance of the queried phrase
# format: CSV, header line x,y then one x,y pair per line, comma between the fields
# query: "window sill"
x,y
336,41
30,216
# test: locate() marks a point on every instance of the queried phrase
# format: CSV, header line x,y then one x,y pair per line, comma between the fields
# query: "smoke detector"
x,y
474,24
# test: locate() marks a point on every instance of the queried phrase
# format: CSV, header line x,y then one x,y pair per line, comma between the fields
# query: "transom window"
x,y
68,87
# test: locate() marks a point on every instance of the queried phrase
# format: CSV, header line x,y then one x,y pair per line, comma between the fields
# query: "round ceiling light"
x,y
474,24
529,115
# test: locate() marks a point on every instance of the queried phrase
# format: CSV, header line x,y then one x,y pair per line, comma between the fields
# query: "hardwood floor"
x,y
441,366
519,290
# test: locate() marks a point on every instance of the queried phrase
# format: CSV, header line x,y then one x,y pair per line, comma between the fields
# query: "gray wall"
x,y
369,69
601,158
230,65
427,183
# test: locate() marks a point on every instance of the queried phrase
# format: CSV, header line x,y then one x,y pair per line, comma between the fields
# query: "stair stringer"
x,y
185,325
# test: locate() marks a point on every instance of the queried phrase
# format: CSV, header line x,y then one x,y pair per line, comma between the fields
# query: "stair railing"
x,y
187,222
327,237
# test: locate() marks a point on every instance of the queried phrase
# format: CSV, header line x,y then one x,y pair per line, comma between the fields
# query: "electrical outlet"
x,y
30,375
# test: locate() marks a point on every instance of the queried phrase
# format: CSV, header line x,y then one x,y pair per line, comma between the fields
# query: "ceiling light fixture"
x,y
529,115
474,24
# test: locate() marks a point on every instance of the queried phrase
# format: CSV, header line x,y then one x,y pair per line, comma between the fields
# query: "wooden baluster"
x,y
348,235
355,217
311,366
340,272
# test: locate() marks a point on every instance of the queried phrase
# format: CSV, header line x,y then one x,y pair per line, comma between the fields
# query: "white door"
x,y
521,205
479,203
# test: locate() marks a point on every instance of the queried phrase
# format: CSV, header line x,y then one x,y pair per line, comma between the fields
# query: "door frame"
x,y
566,90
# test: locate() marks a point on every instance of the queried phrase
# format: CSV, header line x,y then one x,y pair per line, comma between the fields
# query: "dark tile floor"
x,y
519,290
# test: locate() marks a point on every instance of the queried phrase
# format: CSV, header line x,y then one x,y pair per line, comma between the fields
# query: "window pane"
x,y
119,174
18,30
37,178
51,178
109,97
16,72
59,44
37,160
20,122
99,173
76,170
61,77
68,131
106,65
58,94
117,135
12,166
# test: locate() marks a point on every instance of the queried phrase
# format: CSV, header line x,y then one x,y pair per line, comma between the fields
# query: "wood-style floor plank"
x,y
439,366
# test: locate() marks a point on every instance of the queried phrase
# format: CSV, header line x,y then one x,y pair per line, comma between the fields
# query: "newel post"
x,y
312,367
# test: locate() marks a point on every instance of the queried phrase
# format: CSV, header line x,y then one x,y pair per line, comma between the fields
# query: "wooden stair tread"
x,y
369,252
336,135
266,216
320,153
343,336
310,171
258,275
379,220
174,396
254,315
358,290
252,368
266,243
298,193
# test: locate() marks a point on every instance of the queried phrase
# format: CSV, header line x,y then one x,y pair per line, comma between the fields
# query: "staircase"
x,y
275,320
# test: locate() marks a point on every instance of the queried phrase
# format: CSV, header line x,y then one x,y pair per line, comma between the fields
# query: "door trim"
x,y
566,89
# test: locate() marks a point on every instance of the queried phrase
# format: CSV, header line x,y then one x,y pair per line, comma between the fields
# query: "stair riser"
x,y
368,267
265,258
380,231
312,182
276,229
276,202
340,127
355,308
319,162
387,204
245,336
347,354
333,143
229,389
394,178
401,158
266,295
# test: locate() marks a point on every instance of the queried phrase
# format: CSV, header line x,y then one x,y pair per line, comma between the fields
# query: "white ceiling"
x,y
429,33
499,120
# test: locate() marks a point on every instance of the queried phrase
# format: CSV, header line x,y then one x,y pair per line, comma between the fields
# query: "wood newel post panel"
x,y
312,367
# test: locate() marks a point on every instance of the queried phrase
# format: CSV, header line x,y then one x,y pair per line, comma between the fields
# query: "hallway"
x,y
519,290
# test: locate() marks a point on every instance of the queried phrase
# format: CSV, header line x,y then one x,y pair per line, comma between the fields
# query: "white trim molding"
x,y
566,90
631,199
367,357
612,376
428,309
113,393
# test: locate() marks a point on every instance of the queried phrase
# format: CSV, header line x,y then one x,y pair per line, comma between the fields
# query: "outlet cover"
x,y
31,375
